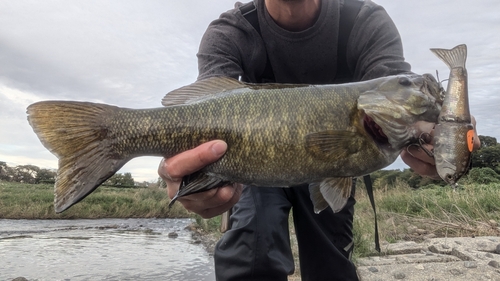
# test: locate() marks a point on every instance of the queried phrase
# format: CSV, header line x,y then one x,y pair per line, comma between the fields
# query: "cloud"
x,y
131,53
125,53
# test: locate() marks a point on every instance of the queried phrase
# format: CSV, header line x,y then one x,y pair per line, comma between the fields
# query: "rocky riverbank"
x,y
207,239
458,259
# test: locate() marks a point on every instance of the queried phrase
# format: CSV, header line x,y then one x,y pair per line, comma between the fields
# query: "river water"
x,y
102,249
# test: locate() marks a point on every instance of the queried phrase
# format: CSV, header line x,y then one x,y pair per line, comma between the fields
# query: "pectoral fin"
x,y
197,182
332,192
334,144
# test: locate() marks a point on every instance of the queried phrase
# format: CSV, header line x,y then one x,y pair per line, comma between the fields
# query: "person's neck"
x,y
294,15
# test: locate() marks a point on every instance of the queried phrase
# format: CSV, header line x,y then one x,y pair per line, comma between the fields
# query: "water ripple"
x,y
107,249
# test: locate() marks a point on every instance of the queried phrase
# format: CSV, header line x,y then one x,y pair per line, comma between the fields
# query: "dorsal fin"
x,y
201,90
206,88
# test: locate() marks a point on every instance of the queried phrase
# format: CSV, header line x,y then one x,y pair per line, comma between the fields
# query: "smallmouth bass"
x,y
454,132
277,134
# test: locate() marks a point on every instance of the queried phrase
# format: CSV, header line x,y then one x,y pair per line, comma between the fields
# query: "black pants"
x,y
257,247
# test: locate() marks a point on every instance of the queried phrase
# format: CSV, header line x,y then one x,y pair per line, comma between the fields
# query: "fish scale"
x,y
277,134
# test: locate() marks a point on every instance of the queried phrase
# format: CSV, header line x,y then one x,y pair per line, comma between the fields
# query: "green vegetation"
x,y
407,214
36,201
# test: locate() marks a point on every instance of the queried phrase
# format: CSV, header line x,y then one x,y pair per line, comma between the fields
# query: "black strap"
x,y
348,14
249,12
369,190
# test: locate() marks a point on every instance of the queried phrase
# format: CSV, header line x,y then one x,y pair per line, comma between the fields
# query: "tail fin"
x,y
75,132
453,58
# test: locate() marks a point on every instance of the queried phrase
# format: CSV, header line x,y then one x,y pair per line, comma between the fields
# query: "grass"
x,y
35,201
414,215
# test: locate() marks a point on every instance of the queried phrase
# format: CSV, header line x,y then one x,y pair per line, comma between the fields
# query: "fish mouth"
x,y
433,88
375,131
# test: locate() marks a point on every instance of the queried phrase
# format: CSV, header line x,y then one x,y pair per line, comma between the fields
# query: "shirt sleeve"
x,y
374,47
223,44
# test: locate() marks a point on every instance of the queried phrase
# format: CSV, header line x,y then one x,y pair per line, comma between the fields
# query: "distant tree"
x,y
160,183
384,178
45,176
121,180
487,141
128,180
488,156
483,175
3,170
25,173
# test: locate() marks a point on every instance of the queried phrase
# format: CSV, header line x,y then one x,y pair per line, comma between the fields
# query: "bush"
x,y
483,176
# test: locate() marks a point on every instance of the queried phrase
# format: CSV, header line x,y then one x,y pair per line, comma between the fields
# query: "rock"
x,y
494,264
373,269
497,249
412,229
456,272
190,227
399,275
19,279
430,236
470,264
436,259
173,235
421,231
404,248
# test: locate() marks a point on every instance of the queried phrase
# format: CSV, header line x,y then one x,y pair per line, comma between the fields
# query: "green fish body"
x,y
277,134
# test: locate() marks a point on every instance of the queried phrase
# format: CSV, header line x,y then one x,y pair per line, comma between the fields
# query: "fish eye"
x,y
405,81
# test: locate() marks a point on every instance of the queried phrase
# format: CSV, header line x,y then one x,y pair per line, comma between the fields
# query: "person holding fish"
x,y
290,41
298,40
298,143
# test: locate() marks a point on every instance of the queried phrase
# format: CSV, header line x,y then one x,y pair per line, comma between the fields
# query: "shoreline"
x,y
207,239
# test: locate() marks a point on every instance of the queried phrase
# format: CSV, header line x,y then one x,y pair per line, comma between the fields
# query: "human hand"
x,y
209,203
418,160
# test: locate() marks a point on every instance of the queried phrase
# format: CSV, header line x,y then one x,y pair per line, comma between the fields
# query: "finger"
x,y
190,161
204,197
420,167
222,200
419,153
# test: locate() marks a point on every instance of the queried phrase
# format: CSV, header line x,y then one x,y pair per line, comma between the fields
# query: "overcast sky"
x,y
131,53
